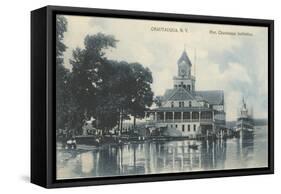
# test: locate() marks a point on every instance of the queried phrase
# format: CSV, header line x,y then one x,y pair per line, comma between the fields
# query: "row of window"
x,y
184,86
184,129
181,104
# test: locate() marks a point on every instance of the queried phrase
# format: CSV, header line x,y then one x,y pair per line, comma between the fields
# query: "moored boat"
x,y
245,122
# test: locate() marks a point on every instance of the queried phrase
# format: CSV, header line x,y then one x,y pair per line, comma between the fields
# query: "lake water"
x,y
164,157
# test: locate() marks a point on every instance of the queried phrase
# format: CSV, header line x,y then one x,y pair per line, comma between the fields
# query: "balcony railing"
x,y
180,121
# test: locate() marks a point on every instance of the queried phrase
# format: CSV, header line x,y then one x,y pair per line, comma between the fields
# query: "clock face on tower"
x,y
182,71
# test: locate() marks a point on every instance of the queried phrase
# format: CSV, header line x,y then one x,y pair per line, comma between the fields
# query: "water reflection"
x,y
163,157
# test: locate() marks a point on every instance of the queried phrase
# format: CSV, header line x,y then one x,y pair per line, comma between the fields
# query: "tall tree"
x,y
114,95
61,28
61,74
107,90
141,93
126,91
86,79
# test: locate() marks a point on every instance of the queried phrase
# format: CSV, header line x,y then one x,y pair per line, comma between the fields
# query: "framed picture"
x,y
125,96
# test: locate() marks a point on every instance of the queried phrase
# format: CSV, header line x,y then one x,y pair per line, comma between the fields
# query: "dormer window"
x,y
190,104
172,104
181,104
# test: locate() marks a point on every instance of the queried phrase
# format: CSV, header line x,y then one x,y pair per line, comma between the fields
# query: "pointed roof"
x,y
184,57
214,97
168,93
180,94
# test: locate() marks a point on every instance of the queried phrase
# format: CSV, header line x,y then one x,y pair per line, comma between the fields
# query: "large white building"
x,y
184,111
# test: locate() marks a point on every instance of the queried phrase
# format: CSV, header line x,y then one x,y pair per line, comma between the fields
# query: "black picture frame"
x,y
43,154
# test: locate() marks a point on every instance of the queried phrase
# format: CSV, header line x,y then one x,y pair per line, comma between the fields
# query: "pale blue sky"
x,y
235,64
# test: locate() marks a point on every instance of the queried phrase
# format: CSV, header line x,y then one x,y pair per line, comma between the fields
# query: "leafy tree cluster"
x,y
62,75
96,87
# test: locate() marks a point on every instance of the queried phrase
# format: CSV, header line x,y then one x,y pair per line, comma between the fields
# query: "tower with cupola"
x,y
184,78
